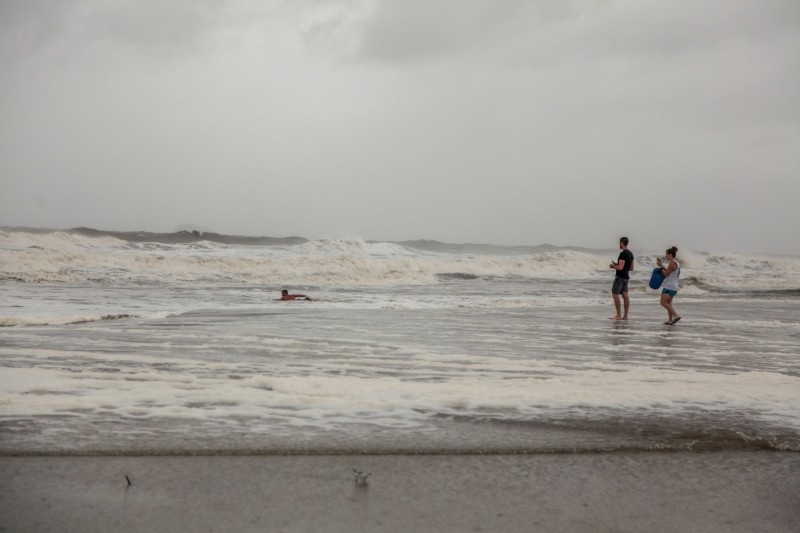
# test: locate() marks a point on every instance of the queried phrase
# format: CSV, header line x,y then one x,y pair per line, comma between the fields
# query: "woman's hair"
x,y
673,251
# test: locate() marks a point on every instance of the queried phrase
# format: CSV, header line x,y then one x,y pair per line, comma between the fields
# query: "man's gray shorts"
x,y
620,285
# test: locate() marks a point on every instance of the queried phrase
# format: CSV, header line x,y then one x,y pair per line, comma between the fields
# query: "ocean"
x,y
176,344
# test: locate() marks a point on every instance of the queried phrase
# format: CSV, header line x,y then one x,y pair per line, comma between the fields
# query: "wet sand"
x,y
678,491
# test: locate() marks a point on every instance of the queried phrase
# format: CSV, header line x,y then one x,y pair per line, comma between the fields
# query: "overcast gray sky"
x,y
494,121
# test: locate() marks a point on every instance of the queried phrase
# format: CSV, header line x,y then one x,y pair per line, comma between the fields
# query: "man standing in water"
x,y
623,265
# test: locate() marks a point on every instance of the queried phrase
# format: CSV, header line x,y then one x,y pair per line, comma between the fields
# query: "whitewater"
x,y
149,343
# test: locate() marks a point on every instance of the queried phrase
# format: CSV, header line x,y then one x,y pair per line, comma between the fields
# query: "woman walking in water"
x,y
670,286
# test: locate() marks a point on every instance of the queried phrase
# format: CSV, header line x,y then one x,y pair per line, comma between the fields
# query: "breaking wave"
x,y
85,255
60,320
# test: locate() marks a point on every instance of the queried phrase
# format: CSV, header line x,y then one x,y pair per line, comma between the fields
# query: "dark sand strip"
x,y
654,492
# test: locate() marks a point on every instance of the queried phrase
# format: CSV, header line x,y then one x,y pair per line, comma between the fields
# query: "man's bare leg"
x,y
627,302
618,316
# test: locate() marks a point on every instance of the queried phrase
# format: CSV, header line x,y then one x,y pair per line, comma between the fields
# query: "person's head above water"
x,y
286,296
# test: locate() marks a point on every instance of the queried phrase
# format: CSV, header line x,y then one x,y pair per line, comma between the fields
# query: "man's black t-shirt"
x,y
627,256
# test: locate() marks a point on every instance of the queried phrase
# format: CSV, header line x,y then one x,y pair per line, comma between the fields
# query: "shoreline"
x,y
379,452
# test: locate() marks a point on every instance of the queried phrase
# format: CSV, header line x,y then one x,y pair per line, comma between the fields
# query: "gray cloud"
x,y
566,122
400,32
157,26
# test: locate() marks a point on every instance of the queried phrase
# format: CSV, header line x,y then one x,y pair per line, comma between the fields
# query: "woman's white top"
x,y
671,281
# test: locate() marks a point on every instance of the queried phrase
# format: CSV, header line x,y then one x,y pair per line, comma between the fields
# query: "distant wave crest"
x,y
86,255
78,236
60,320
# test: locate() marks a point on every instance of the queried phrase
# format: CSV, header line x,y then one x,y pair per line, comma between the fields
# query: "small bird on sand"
x,y
361,477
